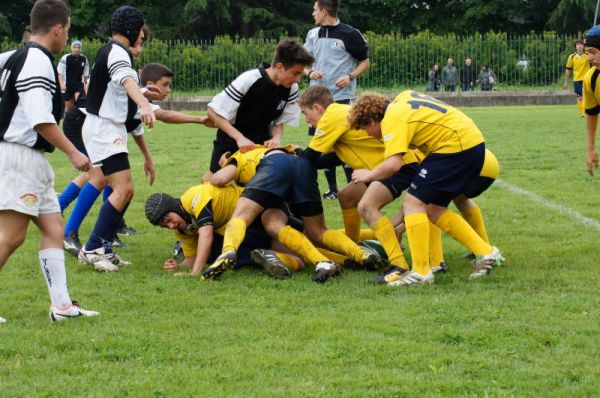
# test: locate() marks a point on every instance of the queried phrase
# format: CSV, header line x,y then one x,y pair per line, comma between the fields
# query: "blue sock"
x,y
68,195
105,228
106,193
85,201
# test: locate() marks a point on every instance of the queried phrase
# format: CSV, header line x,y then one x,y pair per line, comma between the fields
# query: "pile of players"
x,y
260,201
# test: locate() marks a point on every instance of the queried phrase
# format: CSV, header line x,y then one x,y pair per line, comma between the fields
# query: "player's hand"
x,y
149,171
206,177
342,81
564,86
245,144
63,88
272,143
79,161
170,265
361,176
147,115
316,75
154,93
592,162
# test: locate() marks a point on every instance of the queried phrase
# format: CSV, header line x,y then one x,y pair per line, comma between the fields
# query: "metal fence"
x,y
519,62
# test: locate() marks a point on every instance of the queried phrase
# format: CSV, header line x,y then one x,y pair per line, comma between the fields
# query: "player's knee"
x,y
347,199
365,209
14,240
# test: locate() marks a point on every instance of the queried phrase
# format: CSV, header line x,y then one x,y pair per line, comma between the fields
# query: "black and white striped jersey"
x,y
107,97
252,102
29,95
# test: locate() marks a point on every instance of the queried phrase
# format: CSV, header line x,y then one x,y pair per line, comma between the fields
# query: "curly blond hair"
x,y
368,107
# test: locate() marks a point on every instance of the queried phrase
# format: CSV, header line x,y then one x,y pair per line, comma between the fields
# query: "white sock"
x,y
52,262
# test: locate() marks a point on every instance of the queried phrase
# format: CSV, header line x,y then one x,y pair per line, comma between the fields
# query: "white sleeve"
x,y
86,68
119,66
291,112
62,66
227,102
35,86
4,57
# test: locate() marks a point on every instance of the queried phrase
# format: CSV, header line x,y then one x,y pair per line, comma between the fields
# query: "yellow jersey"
x,y
579,64
206,204
354,147
417,121
591,92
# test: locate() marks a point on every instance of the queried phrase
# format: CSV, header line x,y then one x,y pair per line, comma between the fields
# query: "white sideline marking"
x,y
548,203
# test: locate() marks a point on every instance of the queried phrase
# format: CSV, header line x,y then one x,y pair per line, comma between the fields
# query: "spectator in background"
x,y
450,76
341,55
467,76
487,79
433,78
73,73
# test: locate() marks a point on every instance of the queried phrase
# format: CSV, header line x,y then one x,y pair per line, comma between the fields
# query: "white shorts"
x,y
103,138
26,181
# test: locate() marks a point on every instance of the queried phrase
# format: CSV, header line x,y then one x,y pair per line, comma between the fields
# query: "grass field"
x,y
529,329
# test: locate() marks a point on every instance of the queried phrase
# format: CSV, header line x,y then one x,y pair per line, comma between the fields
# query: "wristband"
x,y
351,76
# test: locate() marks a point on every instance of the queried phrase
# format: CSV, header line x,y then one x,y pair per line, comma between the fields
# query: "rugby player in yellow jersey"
x,y
591,95
454,153
578,65
355,148
198,219
283,177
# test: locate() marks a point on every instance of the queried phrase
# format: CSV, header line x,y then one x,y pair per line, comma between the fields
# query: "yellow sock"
x,y
366,234
581,108
339,242
417,230
292,262
436,251
384,232
333,256
475,219
234,235
298,243
351,223
456,226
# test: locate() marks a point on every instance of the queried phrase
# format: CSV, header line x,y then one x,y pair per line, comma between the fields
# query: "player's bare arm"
x,y
52,133
243,143
146,113
205,241
385,170
277,132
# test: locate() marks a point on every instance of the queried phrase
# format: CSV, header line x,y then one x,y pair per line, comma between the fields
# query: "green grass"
x,y
529,329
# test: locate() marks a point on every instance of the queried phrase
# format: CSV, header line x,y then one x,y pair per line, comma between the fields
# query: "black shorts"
x,y
478,186
578,88
441,177
283,177
114,164
71,90
400,181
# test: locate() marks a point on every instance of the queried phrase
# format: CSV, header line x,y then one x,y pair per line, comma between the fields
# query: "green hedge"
x,y
396,60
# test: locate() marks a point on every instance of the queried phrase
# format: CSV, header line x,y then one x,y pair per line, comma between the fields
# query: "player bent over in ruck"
x,y
30,109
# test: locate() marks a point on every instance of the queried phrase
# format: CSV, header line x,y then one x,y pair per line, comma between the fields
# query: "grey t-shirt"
x,y
336,50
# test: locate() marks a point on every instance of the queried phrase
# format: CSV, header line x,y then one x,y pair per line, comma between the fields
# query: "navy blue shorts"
x,y
442,177
578,88
283,177
400,181
478,186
